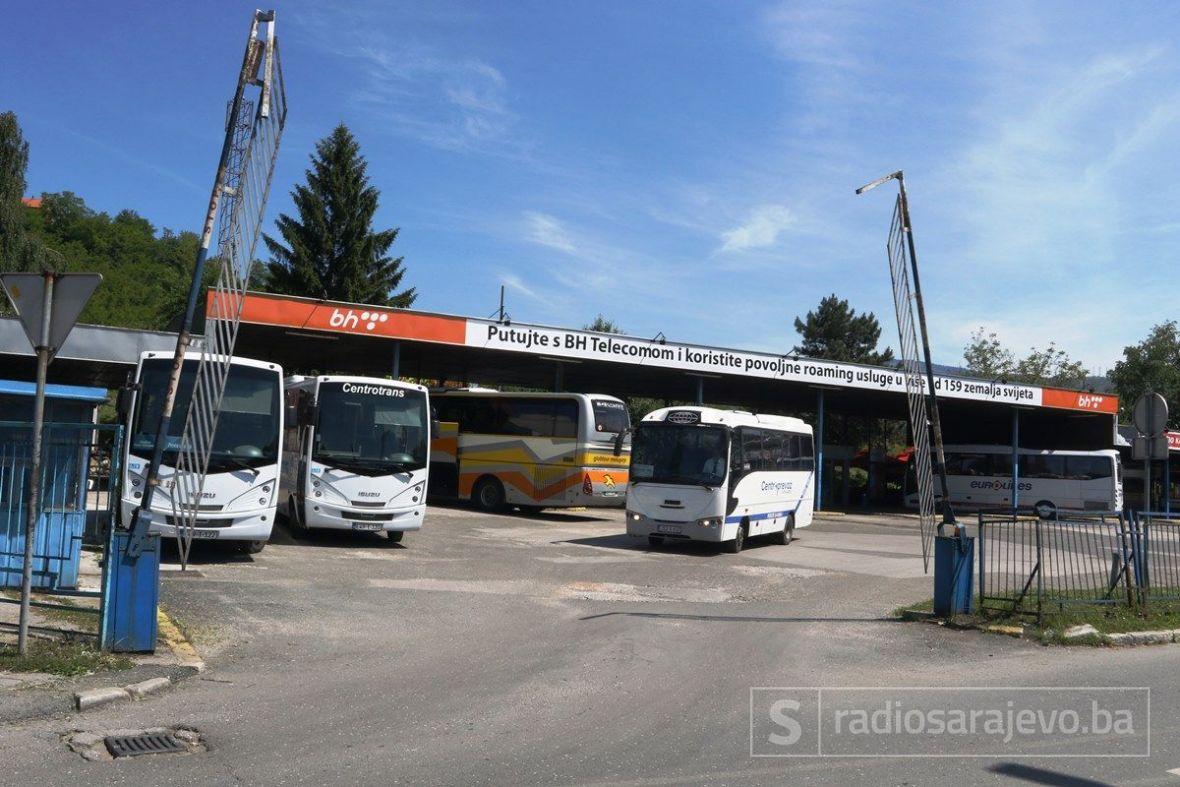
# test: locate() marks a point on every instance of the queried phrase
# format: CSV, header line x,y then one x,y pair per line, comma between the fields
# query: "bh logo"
x,y
348,319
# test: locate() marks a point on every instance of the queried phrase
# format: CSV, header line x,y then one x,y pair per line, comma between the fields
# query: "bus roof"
x,y
193,355
731,418
297,379
531,394
1007,449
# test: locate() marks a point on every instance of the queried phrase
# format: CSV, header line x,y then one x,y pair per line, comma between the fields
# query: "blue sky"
x,y
682,167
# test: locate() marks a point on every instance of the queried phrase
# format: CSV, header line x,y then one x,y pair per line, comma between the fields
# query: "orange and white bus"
x,y
531,450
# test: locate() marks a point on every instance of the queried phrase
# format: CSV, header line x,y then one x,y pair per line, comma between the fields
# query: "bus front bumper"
x,y
252,525
330,517
711,529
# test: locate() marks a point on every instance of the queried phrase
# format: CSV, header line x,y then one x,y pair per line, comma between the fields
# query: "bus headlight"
x,y
711,521
634,517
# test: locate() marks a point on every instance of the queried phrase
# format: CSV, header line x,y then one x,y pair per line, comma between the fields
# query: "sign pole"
x,y
33,504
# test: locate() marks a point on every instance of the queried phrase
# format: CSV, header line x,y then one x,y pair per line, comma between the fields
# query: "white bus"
x,y
980,477
532,450
719,475
238,499
356,455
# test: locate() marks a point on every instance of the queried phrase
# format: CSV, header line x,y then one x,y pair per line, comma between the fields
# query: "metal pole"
x,y
501,303
33,512
1015,460
397,359
184,338
557,377
1168,482
700,390
948,514
819,453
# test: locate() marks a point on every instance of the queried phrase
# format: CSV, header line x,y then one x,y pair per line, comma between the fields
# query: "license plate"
x,y
205,534
366,525
669,528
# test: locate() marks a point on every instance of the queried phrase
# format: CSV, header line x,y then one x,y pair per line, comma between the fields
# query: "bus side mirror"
x,y
619,441
123,401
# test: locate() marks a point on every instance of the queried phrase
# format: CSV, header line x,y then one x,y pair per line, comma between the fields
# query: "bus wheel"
x,y
655,541
394,536
787,534
1045,509
488,495
251,547
739,541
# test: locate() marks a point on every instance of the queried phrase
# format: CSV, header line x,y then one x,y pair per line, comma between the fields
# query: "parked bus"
x,y
532,450
980,477
719,475
356,454
238,498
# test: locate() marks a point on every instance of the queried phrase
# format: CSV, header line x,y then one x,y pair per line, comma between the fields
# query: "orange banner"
x,y
345,318
1080,400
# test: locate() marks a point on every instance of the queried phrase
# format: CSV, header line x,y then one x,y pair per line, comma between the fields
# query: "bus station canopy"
x,y
315,336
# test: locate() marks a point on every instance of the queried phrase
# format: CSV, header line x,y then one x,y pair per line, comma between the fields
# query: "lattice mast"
x,y
921,393
254,126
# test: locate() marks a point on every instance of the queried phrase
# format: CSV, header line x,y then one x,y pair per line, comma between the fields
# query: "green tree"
x,y
835,331
17,251
985,356
1151,365
603,325
330,249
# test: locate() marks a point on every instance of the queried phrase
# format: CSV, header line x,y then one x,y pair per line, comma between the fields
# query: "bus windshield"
x,y
247,433
663,453
610,417
369,427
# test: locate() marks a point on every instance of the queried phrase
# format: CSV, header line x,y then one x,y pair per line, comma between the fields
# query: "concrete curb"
x,y
147,687
181,647
1144,637
96,698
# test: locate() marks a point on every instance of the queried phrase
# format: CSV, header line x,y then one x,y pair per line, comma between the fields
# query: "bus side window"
x,y
775,450
806,452
565,418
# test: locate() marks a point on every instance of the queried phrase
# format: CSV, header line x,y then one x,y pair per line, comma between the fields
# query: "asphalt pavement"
x,y
553,649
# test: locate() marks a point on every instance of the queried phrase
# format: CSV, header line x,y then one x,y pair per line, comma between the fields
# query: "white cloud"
x,y
762,229
544,230
513,282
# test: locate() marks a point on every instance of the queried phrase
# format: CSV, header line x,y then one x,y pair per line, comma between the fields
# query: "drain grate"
x,y
135,745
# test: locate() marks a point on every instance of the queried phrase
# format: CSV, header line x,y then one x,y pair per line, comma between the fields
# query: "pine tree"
x,y
835,331
331,250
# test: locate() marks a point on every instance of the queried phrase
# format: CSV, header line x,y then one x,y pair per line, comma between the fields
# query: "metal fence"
x,y
78,500
1026,563
1155,555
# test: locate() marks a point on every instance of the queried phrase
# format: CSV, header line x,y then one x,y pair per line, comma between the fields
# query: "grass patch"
x,y
61,658
1106,618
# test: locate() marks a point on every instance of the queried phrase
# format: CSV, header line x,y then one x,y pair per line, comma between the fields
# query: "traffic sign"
x,y
70,293
1151,414
1150,448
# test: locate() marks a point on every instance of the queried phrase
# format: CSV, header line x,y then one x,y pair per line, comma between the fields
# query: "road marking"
x,y
181,647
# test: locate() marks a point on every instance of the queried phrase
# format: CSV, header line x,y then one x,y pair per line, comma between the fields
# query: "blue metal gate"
x,y
80,476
